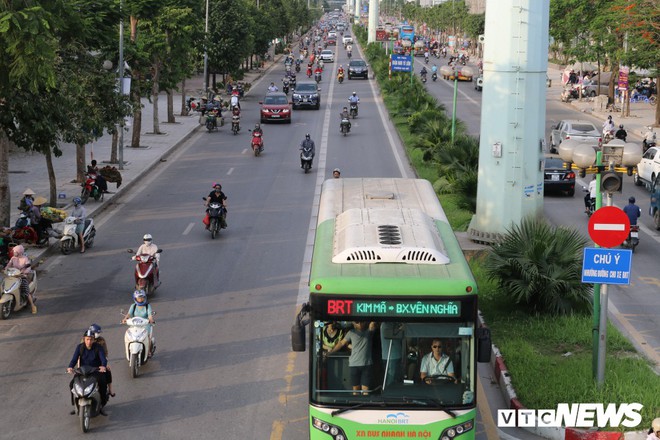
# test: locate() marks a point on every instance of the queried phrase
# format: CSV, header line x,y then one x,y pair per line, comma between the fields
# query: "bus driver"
x,y
436,364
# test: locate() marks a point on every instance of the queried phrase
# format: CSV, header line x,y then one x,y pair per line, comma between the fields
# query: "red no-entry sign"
x,y
609,226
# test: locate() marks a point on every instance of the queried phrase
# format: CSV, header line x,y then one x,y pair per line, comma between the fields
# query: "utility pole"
x,y
206,55
121,83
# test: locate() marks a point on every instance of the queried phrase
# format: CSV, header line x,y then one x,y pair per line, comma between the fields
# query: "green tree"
x,y
229,29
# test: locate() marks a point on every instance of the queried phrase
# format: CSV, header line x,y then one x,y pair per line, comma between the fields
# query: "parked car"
x,y
648,169
306,94
582,131
654,210
327,56
600,85
556,178
275,107
358,69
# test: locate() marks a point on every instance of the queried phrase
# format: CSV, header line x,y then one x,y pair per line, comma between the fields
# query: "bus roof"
x,y
386,236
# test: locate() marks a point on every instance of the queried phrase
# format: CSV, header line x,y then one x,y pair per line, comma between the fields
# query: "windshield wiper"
x,y
358,405
428,400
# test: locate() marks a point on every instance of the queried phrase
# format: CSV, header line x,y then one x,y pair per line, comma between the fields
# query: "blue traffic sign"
x,y
401,63
606,266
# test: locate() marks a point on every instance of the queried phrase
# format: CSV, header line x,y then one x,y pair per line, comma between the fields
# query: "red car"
x,y
275,107
331,41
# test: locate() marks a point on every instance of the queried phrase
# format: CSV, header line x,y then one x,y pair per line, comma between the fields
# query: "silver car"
x,y
327,56
582,131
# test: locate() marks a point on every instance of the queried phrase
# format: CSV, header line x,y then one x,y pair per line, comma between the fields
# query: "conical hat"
x,y
28,192
39,201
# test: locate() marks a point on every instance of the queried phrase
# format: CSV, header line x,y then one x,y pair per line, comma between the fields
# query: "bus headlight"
x,y
335,431
452,431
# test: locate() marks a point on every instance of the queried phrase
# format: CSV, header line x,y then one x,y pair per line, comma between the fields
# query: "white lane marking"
x,y
380,105
608,227
188,229
244,151
450,84
231,170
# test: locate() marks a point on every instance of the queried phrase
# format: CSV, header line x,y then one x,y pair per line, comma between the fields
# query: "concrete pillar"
x,y
512,116
373,21
356,11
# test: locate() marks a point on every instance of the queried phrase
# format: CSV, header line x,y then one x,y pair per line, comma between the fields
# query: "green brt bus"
x,y
389,277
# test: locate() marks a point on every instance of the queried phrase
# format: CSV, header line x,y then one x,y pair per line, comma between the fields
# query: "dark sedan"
x,y
358,69
556,178
306,94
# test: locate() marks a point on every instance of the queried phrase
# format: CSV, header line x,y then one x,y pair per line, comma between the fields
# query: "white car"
x,y
327,56
332,34
582,131
648,168
347,39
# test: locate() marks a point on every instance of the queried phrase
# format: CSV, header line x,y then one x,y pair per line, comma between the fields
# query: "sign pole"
x,y
595,330
602,331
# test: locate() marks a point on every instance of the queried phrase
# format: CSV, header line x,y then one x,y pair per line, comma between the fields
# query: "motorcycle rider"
x,y
649,138
340,71
608,126
434,70
80,214
307,145
272,87
258,129
91,354
621,133
590,197
104,345
345,115
148,247
234,102
142,309
217,196
426,55
354,99
21,262
423,73
632,211
318,71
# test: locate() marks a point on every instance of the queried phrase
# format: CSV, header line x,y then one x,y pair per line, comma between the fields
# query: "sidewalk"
x,y
641,114
28,170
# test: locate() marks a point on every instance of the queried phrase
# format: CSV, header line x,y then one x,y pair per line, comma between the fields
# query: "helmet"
x,y
89,332
621,126
256,126
631,200
217,185
147,237
140,294
341,66
609,117
655,425
96,329
77,201
354,93
307,136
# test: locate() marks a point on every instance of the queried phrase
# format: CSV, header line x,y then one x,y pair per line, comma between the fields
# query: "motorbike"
x,y
649,140
90,189
340,77
145,268
306,158
424,79
592,204
349,54
217,215
570,92
633,238
86,395
444,52
285,88
297,66
345,126
138,343
353,110
426,59
257,143
211,121
309,72
24,232
434,76
69,240
608,135
235,124
12,300
317,77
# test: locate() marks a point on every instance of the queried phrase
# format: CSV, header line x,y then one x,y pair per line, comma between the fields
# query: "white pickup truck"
x,y
347,39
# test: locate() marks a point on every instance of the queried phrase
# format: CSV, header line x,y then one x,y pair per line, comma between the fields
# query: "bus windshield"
x,y
404,363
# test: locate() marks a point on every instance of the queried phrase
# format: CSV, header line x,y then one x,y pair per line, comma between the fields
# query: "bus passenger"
x,y
436,364
360,360
331,335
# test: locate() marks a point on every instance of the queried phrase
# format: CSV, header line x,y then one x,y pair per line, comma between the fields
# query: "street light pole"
x,y
206,55
121,82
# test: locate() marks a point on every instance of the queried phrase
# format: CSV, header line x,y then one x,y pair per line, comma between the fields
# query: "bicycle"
x,y
641,98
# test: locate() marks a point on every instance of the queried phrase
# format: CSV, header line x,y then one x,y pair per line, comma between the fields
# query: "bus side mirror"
x,y
298,329
484,344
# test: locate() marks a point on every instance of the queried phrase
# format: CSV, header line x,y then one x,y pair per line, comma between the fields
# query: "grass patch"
x,y
535,349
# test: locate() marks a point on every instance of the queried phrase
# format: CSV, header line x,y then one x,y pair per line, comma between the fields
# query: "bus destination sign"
x,y
393,308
